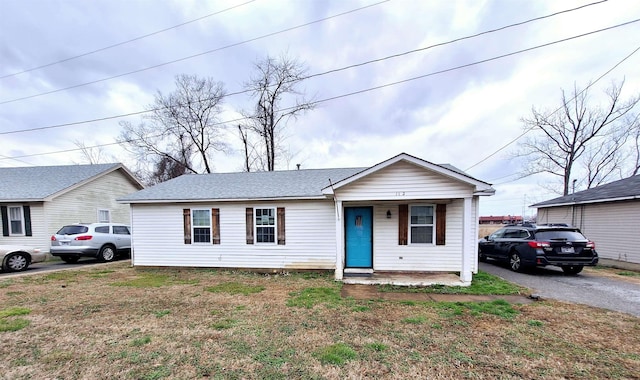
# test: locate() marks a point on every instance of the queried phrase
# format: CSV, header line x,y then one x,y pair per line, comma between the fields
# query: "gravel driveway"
x,y
588,287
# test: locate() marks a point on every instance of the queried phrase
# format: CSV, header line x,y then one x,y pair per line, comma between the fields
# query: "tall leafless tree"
x,y
182,132
580,133
274,88
94,155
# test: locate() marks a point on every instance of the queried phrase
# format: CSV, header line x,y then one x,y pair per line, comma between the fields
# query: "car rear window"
x,y
72,230
559,235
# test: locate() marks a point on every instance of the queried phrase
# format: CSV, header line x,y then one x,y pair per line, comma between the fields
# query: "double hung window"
x,y
104,216
421,224
265,224
16,220
201,225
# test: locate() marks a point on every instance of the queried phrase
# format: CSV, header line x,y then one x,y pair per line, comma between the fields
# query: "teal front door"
x,y
359,237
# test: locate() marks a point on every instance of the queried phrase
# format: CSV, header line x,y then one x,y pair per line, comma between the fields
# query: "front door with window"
x,y
359,237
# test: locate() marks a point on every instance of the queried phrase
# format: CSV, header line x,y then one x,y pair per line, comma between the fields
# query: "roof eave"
x,y
602,200
215,200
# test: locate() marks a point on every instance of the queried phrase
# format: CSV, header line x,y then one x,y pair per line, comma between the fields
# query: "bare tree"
x,y
93,155
182,133
274,82
580,133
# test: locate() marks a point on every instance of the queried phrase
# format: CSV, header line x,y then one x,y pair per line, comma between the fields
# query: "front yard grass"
x,y
129,323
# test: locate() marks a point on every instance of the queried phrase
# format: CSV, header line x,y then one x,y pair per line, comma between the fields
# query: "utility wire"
x,y
123,42
333,71
355,92
339,69
556,110
196,55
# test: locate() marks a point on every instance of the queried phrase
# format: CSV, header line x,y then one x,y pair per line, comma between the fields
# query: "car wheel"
x,y
70,259
515,262
16,262
481,256
572,269
107,253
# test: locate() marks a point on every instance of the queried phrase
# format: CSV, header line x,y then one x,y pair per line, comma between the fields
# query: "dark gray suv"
x,y
529,246
103,241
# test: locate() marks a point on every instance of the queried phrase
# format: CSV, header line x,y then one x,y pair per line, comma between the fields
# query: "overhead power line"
x,y
123,42
556,110
355,92
342,69
195,55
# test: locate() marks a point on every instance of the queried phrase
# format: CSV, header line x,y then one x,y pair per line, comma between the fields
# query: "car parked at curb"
x,y
529,245
104,241
15,258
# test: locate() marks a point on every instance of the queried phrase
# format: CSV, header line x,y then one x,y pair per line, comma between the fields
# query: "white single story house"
x,y
36,201
403,215
608,214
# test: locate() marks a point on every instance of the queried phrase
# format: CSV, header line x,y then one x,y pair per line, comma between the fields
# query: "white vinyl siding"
x,y
76,205
158,237
40,238
612,226
82,204
389,256
404,181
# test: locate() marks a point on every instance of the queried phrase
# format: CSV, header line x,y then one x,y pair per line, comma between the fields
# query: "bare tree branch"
x,y
274,81
595,137
182,133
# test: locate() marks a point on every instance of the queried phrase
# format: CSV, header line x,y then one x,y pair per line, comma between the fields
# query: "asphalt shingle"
x,y
39,182
624,188
254,185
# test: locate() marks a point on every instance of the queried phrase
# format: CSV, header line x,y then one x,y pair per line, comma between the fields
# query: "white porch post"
x,y
467,242
339,242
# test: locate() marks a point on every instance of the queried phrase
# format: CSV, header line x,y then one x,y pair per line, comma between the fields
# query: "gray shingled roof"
x,y
40,182
306,183
627,188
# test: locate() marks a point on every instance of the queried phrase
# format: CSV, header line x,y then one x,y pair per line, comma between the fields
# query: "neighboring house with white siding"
x,y
402,215
36,201
608,214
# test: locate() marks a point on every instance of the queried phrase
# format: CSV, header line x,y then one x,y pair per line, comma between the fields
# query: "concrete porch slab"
x,y
406,279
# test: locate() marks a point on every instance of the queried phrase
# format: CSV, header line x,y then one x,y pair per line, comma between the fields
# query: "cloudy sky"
x,y
75,61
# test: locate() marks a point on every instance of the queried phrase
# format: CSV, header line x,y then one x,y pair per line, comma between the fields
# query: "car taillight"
x,y
53,237
539,244
591,245
86,237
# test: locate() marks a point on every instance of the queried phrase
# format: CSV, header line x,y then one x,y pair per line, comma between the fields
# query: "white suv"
x,y
103,241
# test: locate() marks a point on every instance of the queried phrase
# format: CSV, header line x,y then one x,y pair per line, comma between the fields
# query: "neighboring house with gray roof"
x,y
402,215
608,214
36,201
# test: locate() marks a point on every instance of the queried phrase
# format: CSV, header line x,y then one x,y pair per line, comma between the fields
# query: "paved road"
x,y
51,266
585,288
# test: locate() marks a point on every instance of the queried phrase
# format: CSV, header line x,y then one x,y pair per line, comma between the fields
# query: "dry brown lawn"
x,y
488,229
117,322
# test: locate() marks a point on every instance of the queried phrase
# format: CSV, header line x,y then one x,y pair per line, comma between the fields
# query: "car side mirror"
x,y
486,237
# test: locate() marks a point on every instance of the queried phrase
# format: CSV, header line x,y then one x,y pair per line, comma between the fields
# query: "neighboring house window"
x,y
201,224
16,221
265,225
104,216
421,224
